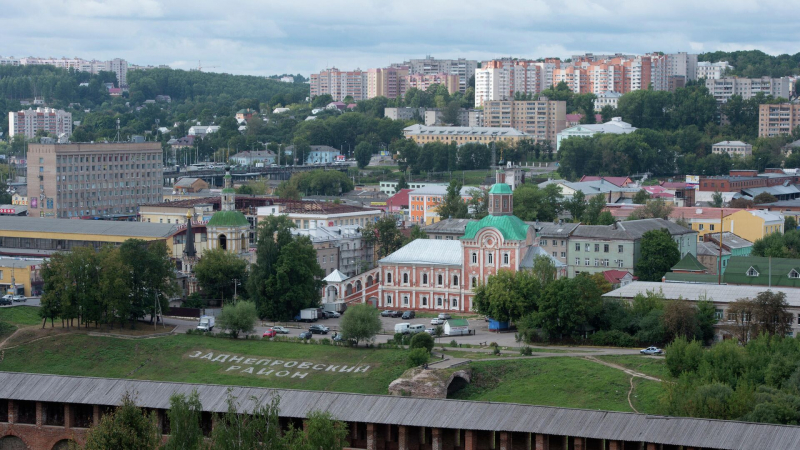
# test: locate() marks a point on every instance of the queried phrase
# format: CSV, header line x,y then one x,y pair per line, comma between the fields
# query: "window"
x,y
544,242
751,272
711,227
405,300
455,303
474,258
587,261
563,243
424,278
605,248
794,274
489,258
438,301
555,254
588,247
388,299
455,280
475,284
577,247
577,261
424,301
563,254
595,262
439,280
505,259
597,247
701,227
718,314
619,249
405,278
619,264
388,277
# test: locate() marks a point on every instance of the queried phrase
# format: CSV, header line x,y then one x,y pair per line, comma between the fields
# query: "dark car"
x,y
409,315
318,329
4,301
305,335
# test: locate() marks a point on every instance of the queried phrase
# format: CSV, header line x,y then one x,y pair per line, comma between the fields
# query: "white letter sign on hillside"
x,y
272,367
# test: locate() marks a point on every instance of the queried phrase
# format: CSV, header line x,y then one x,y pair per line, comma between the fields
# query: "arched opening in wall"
x,y
223,242
12,443
358,285
348,290
65,444
330,293
456,384
370,281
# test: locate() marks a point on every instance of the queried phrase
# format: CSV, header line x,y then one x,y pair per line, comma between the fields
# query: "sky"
x,y
266,37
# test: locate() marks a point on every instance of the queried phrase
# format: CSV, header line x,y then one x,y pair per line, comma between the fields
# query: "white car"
x,y
437,321
280,330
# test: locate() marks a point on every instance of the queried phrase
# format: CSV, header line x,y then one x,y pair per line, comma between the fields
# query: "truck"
x,y
338,307
206,323
307,315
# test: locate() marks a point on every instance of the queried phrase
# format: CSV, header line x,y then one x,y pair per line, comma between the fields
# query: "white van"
x,y
401,327
416,328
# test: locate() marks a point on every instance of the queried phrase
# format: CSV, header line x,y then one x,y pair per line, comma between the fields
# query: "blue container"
x,y
495,325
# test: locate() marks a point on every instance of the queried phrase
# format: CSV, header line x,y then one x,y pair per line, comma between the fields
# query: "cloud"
x,y
269,37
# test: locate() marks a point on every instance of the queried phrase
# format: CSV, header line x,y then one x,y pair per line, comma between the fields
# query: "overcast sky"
x,y
265,37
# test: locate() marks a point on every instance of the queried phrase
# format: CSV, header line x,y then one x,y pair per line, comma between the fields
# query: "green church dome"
x,y
228,219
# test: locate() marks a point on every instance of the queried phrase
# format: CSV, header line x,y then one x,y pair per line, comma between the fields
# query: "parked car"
x,y
305,335
652,351
444,316
388,313
437,321
408,315
5,301
401,327
8,297
431,331
333,314
318,329
280,330
19,298
270,333
416,328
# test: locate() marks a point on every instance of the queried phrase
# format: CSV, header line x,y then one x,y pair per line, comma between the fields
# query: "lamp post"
x,y
236,283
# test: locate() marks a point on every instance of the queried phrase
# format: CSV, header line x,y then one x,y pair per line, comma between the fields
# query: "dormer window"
x,y
794,274
752,272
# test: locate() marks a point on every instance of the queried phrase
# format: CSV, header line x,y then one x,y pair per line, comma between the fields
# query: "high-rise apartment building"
x,y
724,88
711,71
339,84
117,65
682,64
463,68
501,79
94,180
542,119
389,82
774,120
29,121
423,82
619,74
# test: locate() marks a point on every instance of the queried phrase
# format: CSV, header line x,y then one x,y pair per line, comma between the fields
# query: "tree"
x,y
764,197
679,320
245,189
789,224
361,323
507,296
239,317
363,154
659,252
453,206
641,197
576,205
401,183
416,233
184,422
297,280
384,235
218,270
717,201
534,203
258,429
274,232
544,270
605,218
770,315
742,203
706,316
567,307
126,428
478,204
422,340
653,209
450,113
323,432
152,276
417,357
594,208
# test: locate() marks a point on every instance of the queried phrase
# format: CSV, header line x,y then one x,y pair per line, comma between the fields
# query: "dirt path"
x,y
630,391
630,372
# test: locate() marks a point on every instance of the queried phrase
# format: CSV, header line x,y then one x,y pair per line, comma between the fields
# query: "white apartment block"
x,y
724,88
732,148
117,65
462,67
501,79
711,71
682,64
28,122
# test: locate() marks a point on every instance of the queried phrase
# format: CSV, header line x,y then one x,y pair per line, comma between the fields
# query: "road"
x,y
31,301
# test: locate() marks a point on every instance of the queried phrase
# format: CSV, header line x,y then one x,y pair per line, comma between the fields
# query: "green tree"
x,y
478,204
534,203
257,429
605,218
184,422
641,197
576,205
717,201
422,340
361,323
417,357
245,189
789,224
450,114
653,209
453,206
323,432
416,233
566,308
218,270
659,252
507,296
239,317
594,208
679,320
401,183
363,154
544,270
764,197
152,276
126,428
274,232
383,234
297,281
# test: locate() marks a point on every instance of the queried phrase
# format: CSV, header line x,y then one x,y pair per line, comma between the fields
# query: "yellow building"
x,y
422,134
175,213
753,224
32,237
21,276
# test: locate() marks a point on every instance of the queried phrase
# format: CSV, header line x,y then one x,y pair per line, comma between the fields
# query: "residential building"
x,y
28,122
323,154
541,119
448,229
616,181
463,68
712,257
711,71
704,221
596,248
607,98
466,117
20,196
724,88
251,157
389,187
190,185
202,130
117,65
397,204
243,114
310,215
423,203
778,119
721,295
732,148
614,126
621,73
422,134
423,82
340,248
682,65
389,82
404,113
753,224
93,180
763,271
611,192
575,119
553,238
619,278
340,84
736,245
738,180
502,79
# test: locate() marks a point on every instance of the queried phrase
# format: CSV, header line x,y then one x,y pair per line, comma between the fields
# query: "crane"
x,y
200,67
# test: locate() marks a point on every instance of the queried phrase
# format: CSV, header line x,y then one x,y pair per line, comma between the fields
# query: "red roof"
x,y
616,181
673,184
615,276
693,212
398,200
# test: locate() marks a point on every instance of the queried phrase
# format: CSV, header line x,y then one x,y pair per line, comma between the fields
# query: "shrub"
x,y
496,350
525,351
417,357
493,344
422,340
683,356
325,341
453,343
612,338
398,338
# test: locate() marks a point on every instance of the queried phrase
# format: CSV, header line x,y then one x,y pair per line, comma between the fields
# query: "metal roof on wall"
x,y
408,411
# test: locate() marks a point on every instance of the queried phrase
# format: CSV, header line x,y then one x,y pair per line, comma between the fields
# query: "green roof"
x,y
229,191
511,227
228,219
705,278
458,322
500,188
775,272
690,263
